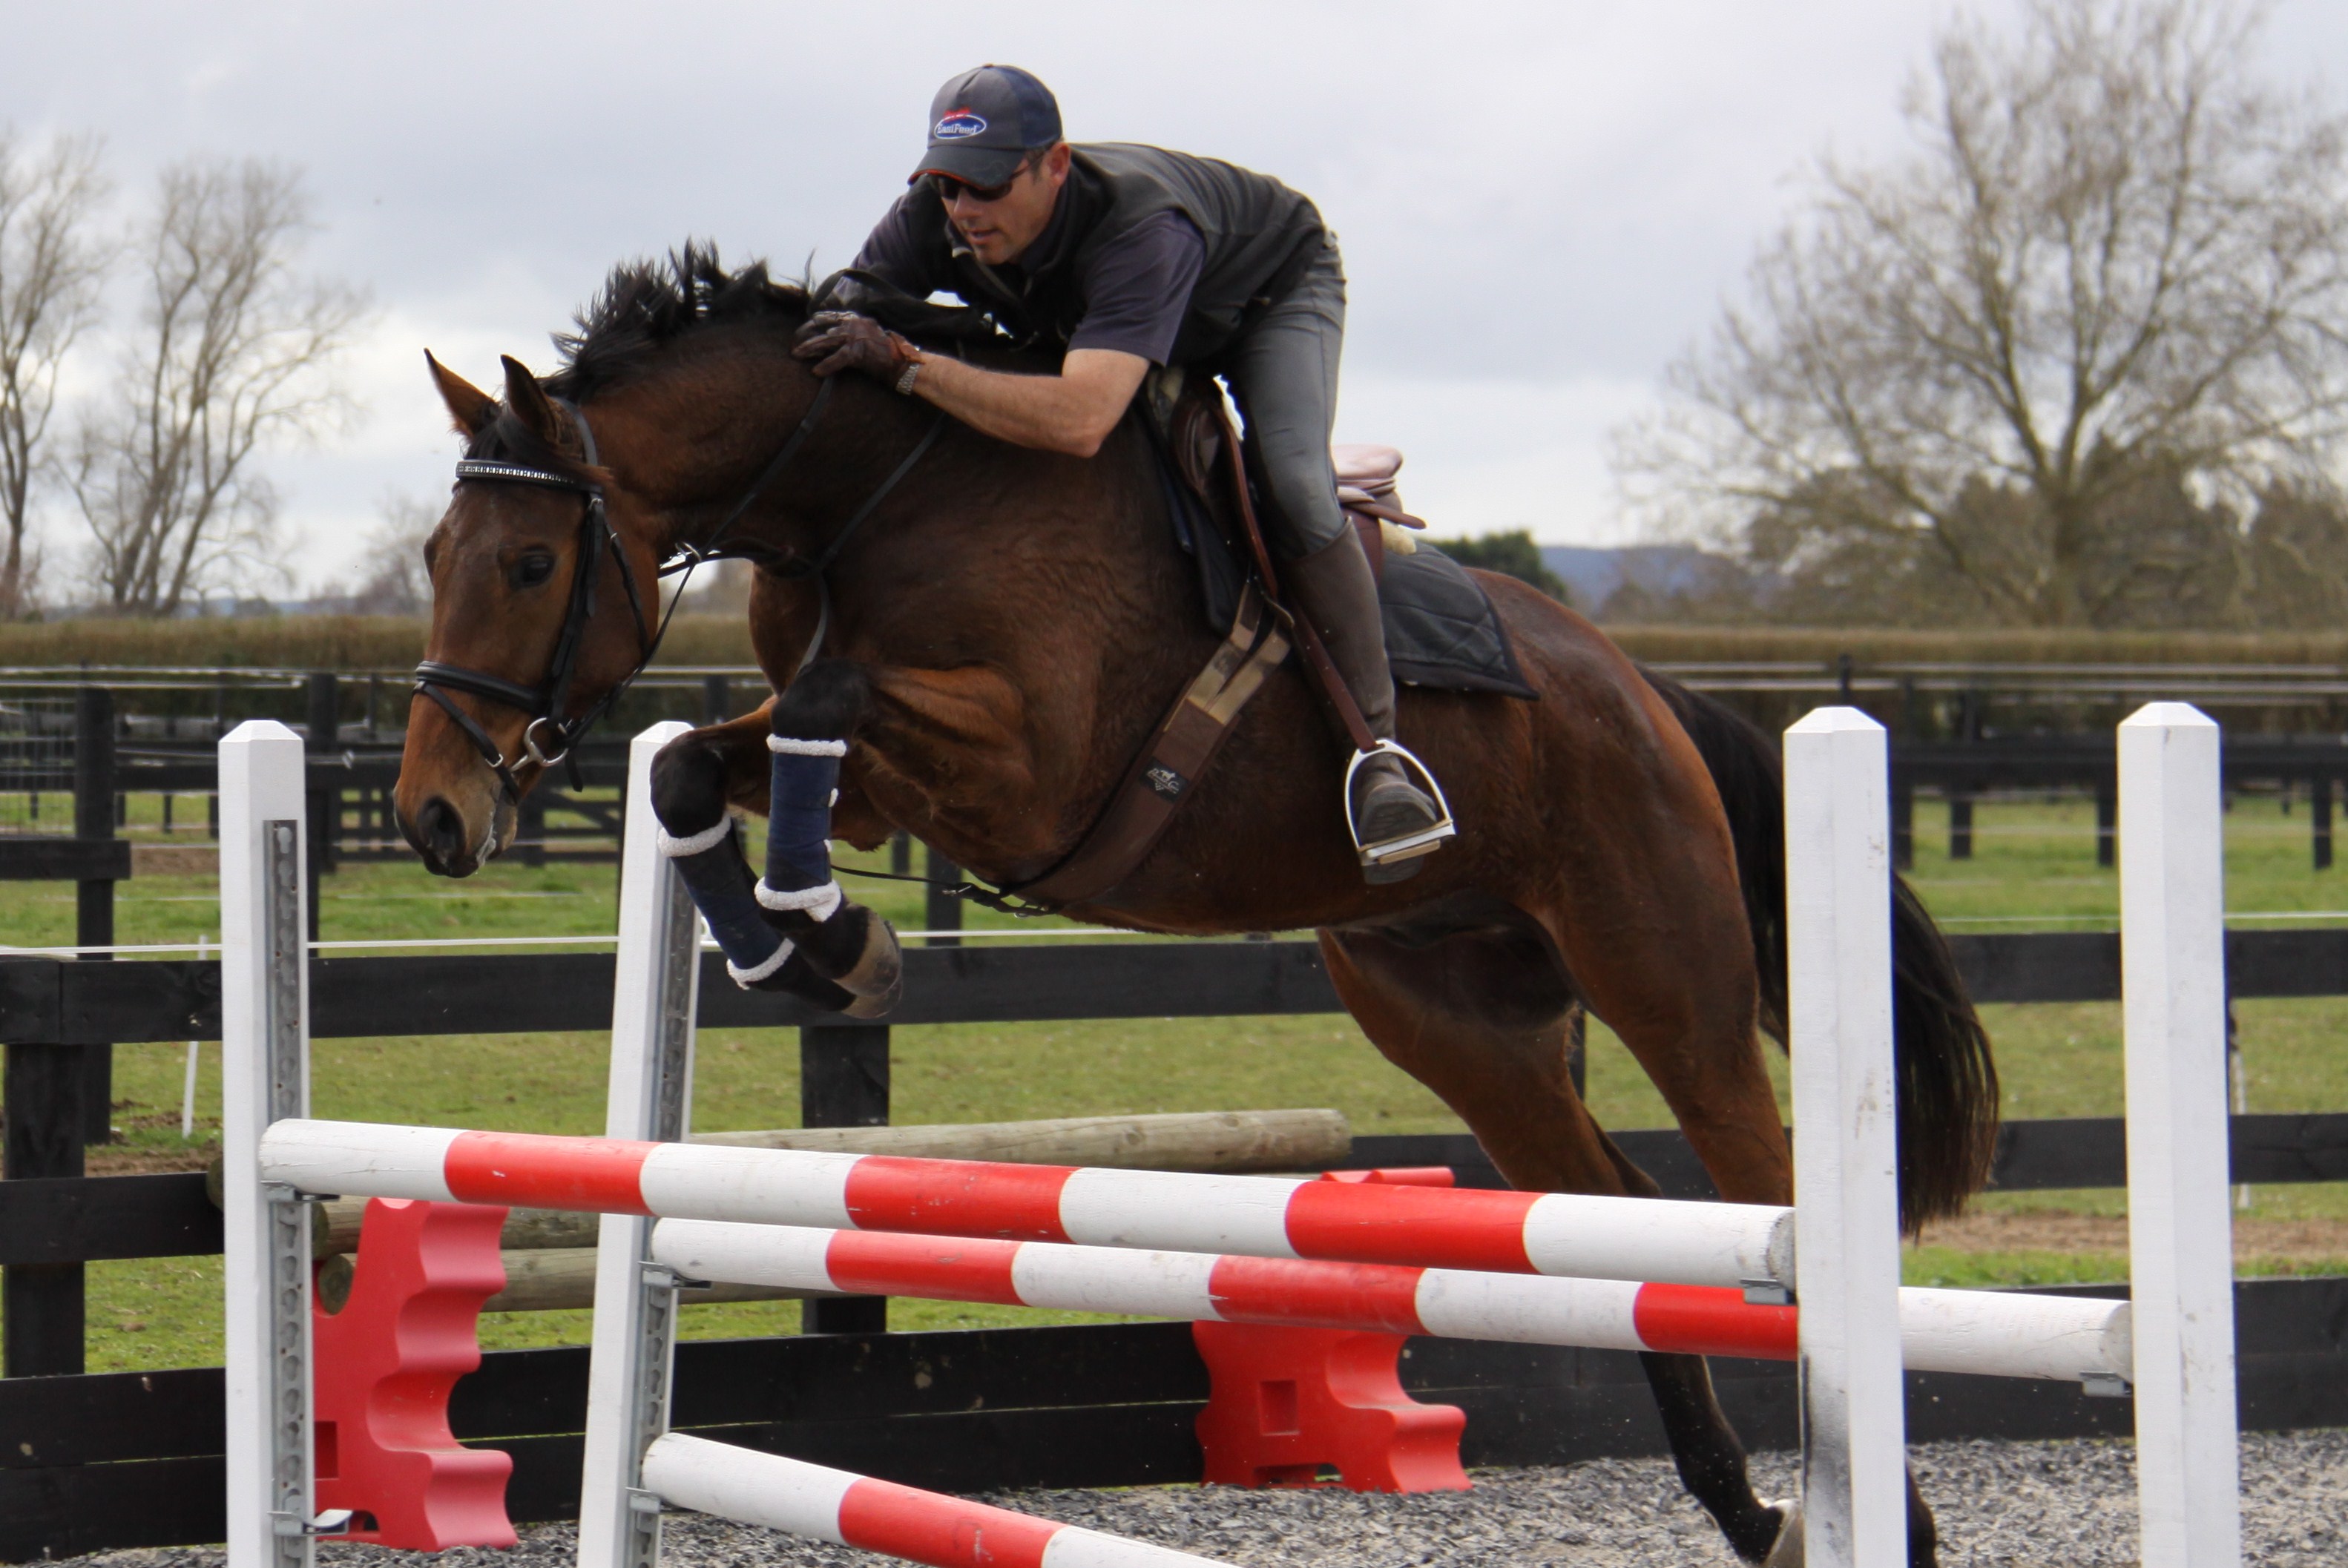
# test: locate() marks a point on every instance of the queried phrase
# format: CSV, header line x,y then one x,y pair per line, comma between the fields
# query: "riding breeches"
x,y
1283,372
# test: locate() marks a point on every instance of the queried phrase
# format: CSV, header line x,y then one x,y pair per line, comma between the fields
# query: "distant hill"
x,y
1595,576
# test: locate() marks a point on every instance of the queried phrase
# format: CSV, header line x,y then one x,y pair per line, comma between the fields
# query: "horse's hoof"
x,y
880,1006
1787,1552
855,949
878,970
798,977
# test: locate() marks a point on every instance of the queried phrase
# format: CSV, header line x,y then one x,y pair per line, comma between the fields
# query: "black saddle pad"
x,y
1441,628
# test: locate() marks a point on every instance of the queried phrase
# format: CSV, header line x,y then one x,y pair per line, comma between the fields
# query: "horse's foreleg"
x,y
809,726
695,778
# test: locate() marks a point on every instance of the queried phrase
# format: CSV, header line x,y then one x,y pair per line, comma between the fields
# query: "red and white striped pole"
x,y
849,1510
1726,1244
1976,1331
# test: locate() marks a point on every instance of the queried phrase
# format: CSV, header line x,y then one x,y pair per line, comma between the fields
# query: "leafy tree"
x,y
1512,554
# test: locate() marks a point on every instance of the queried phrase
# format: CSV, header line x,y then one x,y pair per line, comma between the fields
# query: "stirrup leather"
x,y
1427,840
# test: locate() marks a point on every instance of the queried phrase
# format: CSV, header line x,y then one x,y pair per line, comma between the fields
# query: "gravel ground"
x,y
2001,1505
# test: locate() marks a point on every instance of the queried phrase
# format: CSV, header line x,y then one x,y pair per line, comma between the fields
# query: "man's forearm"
x,y
1051,413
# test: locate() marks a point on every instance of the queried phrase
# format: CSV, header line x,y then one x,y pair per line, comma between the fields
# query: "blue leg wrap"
x,y
799,827
719,880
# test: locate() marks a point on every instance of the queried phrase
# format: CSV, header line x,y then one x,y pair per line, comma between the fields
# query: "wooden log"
x,y
550,1280
1214,1141
1203,1141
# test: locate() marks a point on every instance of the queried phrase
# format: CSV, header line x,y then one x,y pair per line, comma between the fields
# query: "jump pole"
x,y
1981,1332
849,1510
2181,1225
1639,1239
1846,1152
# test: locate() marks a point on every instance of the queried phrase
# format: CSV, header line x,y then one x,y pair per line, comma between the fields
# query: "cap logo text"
x,y
957,126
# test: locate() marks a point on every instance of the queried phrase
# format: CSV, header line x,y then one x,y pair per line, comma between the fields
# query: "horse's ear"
x,y
528,400
468,405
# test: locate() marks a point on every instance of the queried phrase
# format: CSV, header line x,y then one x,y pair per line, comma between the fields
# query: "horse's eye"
x,y
532,569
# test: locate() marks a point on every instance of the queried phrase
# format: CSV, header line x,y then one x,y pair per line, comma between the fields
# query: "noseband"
x,y
546,702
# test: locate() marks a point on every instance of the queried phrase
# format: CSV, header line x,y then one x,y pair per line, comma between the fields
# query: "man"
x,y
1125,257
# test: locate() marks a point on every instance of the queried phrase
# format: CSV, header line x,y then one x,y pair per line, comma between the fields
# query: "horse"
x,y
998,641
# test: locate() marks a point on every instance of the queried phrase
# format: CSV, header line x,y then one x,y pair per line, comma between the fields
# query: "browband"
x,y
521,473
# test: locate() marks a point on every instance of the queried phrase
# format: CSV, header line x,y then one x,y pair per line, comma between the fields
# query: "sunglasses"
x,y
951,190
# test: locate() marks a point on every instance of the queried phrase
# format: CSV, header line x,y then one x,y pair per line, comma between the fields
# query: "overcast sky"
x,y
1539,204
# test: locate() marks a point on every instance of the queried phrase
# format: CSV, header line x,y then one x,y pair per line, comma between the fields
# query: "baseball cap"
x,y
983,121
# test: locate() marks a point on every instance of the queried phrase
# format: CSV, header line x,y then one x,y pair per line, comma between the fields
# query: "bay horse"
x,y
1000,636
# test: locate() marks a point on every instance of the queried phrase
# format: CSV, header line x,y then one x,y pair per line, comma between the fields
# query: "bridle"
x,y
546,702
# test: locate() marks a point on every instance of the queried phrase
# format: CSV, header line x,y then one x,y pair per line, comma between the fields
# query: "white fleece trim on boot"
x,y
746,979
818,902
784,746
692,844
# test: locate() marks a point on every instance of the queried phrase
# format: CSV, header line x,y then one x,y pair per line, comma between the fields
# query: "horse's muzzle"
x,y
450,847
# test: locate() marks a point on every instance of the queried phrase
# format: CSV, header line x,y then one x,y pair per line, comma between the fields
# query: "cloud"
x,y
1539,202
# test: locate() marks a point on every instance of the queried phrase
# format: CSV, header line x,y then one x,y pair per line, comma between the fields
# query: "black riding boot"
x,y
1333,589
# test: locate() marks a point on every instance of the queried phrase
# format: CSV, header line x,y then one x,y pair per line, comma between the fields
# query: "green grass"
x,y
2033,868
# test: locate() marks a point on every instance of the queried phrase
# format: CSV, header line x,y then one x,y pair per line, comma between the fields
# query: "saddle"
x,y
1441,629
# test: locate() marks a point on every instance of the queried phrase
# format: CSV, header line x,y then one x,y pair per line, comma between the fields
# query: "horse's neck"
x,y
990,524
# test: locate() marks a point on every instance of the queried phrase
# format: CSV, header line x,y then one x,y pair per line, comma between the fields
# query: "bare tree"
x,y
392,578
2114,260
235,348
52,265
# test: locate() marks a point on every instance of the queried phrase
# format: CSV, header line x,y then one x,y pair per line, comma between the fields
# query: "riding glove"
x,y
843,340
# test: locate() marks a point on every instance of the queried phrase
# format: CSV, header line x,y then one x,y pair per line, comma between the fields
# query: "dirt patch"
x,y
2057,1231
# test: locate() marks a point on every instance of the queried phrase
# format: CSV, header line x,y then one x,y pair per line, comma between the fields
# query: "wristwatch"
x,y
904,387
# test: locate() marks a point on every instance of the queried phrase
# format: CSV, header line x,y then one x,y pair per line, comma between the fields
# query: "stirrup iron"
x,y
1427,840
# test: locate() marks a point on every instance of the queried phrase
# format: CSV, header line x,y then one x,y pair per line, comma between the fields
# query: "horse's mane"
x,y
647,305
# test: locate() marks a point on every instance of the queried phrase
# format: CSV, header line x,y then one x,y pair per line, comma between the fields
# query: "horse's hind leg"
x,y
1682,993
1478,1008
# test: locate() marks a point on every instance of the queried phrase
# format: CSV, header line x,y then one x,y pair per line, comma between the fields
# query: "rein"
x,y
545,703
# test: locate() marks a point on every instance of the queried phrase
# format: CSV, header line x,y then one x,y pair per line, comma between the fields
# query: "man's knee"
x,y
1306,517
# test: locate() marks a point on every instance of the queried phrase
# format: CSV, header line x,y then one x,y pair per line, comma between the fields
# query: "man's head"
x,y
996,158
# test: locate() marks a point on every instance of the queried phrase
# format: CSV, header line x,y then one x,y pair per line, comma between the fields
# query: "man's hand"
x,y
843,340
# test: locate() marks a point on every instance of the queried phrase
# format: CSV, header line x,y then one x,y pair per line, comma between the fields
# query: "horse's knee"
x,y
825,703
689,785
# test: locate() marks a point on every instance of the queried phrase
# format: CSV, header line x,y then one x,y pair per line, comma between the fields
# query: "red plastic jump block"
x,y
385,1365
1396,1176
1288,1402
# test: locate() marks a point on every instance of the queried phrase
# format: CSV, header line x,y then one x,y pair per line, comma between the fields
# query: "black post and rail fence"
x,y
114,1460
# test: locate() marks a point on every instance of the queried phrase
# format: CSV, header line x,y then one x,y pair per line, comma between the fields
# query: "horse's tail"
x,y
1948,1084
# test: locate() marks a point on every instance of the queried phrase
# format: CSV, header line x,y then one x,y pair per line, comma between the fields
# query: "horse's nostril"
x,y
440,830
